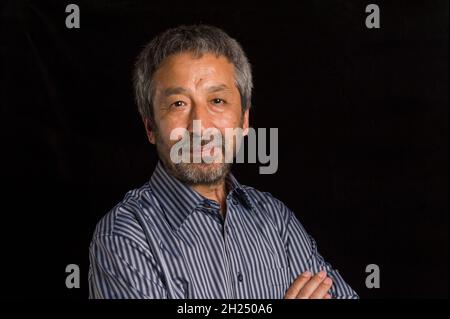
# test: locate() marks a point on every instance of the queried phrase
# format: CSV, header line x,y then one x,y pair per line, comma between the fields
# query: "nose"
x,y
199,112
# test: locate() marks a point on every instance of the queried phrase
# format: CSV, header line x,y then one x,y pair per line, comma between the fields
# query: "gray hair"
x,y
198,39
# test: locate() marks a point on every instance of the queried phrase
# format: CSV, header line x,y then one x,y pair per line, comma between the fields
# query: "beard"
x,y
192,173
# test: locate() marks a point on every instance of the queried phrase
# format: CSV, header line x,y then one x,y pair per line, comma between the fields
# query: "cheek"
x,y
229,119
166,127
232,121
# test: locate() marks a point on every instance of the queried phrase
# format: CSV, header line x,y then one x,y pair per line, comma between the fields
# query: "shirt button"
x,y
240,277
234,201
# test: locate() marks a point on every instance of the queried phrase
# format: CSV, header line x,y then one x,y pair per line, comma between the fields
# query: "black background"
x,y
362,117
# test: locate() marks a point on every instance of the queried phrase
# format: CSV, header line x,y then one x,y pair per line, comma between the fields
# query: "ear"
x,y
150,132
245,124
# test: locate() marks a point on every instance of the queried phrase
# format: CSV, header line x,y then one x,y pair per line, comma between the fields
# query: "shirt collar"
x,y
179,200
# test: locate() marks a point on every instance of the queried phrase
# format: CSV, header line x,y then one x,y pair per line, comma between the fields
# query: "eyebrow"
x,y
174,90
217,88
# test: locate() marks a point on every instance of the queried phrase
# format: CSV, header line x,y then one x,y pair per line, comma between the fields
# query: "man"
x,y
193,231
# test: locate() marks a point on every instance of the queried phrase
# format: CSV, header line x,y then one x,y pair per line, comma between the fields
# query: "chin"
x,y
202,173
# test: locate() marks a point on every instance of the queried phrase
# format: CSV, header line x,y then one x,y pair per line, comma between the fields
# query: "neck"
x,y
216,192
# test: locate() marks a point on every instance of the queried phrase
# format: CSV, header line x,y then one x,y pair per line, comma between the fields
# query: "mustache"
x,y
212,141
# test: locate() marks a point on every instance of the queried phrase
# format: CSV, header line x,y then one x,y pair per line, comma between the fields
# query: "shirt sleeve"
x,y
303,255
122,269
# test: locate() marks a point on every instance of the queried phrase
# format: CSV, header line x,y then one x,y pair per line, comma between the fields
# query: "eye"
x,y
218,101
178,104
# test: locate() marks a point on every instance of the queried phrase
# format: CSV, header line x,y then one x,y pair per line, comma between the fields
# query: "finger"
x,y
311,285
298,284
322,290
327,296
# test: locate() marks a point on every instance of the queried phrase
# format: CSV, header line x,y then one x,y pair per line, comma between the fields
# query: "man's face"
x,y
189,88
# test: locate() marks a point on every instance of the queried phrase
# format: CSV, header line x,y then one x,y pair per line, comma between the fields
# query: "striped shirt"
x,y
165,240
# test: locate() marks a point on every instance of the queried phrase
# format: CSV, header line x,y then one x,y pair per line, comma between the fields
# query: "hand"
x,y
307,286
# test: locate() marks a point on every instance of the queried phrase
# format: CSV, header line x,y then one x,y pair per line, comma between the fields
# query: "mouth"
x,y
206,151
